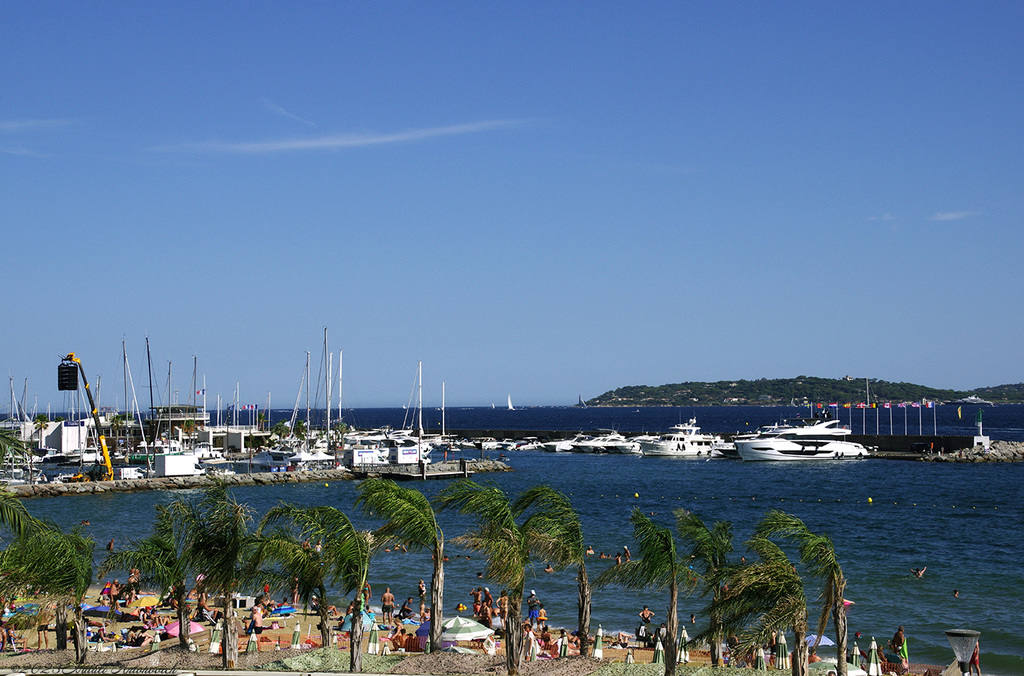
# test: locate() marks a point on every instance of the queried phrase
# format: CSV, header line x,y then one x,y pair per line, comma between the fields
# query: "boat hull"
x,y
789,450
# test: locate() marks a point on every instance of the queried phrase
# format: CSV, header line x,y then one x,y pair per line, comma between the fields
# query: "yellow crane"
x,y
67,379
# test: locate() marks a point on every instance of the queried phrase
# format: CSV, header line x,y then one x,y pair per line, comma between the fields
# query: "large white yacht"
x,y
681,441
802,439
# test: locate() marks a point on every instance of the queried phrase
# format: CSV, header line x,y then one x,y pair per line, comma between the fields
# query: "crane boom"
x,y
109,469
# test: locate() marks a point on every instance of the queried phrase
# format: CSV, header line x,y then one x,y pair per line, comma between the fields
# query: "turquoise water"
x,y
964,522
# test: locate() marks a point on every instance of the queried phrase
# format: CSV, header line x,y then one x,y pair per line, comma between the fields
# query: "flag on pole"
x,y
201,392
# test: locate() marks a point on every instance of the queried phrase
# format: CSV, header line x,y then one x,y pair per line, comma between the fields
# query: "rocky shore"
x,y
256,479
1000,451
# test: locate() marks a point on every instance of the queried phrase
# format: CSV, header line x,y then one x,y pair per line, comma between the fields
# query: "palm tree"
x,y
160,558
57,566
708,549
411,520
217,542
762,598
559,538
14,515
657,566
818,554
341,557
504,542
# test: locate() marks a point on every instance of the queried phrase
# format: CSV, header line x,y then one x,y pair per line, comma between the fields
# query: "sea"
x,y
965,522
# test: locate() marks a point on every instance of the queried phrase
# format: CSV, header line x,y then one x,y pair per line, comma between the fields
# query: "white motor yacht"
x,y
681,441
802,439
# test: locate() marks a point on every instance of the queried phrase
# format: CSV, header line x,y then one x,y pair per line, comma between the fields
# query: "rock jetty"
x,y
1000,451
203,481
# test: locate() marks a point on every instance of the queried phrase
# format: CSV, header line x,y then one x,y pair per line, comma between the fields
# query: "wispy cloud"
x,y
278,110
884,217
951,215
13,126
339,141
23,152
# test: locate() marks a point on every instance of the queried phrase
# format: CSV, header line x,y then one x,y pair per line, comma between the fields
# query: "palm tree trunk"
x,y
437,598
671,626
800,648
184,626
715,631
325,623
61,624
583,602
80,641
839,620
229,643
514,635
356,643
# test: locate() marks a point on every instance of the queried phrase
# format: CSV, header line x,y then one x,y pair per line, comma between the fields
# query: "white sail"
x,y
510,406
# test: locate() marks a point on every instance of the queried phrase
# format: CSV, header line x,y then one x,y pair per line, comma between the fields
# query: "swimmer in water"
x,y
918,572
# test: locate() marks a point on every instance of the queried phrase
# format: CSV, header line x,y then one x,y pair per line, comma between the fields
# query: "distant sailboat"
x,y
510,406
582,404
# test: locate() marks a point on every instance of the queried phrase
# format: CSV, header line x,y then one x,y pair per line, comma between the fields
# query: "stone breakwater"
x,y
1001,451
204,481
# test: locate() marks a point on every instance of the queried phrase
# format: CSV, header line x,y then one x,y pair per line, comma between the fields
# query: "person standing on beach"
x,y
975,663
899,646
533,604
423,596
503,606
387,606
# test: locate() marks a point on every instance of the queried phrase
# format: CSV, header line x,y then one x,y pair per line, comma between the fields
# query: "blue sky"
x,y
536,199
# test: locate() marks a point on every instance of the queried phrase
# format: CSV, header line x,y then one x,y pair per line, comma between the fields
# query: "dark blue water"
x,y
964,522
999,422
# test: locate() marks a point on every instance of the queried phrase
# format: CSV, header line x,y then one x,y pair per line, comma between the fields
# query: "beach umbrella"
x,y
155,645
297,635
599,645
825,640
215,640
346,624
373,644
782,653
855,655
193,628
144,602
629,657
563,647
534,647
759,661
659,653
463,629
460,649
250,647
874,664
682,653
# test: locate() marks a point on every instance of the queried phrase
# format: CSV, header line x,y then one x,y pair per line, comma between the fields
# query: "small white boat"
x,y
681,441
802,439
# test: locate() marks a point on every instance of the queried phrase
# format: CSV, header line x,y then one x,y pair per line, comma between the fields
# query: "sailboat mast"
x,y
442,410
327,383
419,412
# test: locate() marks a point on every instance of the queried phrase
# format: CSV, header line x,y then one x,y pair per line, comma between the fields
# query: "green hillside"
x,y
802,389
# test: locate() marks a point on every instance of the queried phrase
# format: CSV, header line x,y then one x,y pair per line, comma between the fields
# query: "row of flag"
x,y
913,404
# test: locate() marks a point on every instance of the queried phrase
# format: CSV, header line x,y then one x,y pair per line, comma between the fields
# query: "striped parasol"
x,y
629,657
682,652
782,653
250,647
155,645
599,645
297,636
759,661
563,647
855,655
874,663
215,639
659,653
534,648
373,644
